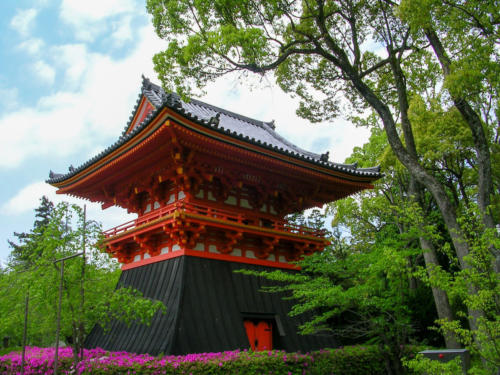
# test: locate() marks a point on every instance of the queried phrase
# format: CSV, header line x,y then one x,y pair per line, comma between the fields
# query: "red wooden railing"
x,y
217,213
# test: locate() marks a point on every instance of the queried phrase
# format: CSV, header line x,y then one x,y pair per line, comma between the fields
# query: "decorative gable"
x,y
143,109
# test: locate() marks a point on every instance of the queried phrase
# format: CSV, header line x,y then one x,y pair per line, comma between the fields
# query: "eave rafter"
x,y
185,146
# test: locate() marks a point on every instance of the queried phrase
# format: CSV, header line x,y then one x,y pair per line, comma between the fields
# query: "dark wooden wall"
x,y
206,304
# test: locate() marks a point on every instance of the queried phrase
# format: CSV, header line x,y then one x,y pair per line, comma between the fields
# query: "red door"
x,y
260,334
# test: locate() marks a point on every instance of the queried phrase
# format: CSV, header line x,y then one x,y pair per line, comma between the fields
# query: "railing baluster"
x,y
228,215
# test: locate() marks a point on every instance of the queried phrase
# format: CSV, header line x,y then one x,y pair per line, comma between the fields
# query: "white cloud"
x,y
122,31
10,98
88,17
32,46
44,72
28,198
75,10
23,21
100,93
95,105
74,60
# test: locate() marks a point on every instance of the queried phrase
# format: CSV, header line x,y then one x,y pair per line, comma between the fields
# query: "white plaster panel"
x,y
236,252
231,200
244,203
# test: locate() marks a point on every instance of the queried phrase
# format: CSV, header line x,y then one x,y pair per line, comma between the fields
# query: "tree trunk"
x,y
441,300
485,179
420,174
440,296
338,57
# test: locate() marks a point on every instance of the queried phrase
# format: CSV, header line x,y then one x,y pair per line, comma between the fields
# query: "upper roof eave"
x,y
173,103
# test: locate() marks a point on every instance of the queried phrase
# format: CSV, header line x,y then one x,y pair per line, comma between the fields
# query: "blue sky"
x,y
70,73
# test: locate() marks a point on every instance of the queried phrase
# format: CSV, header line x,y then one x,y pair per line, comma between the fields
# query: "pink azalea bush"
x,y
350,360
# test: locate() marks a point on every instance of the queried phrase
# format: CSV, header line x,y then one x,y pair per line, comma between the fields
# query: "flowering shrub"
x,y
349,360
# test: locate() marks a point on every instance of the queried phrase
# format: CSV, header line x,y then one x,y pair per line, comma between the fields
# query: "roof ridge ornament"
x,y
271,124
214,120
53,175
146,83
173,99
324,157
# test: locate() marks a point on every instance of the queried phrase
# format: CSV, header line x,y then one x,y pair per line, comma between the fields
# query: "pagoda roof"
x,y
240,127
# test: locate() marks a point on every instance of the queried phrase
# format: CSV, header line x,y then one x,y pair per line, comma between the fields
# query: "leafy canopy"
x,y
64,231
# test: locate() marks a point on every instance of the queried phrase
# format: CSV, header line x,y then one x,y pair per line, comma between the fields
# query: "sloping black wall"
x,y
162,281
206,304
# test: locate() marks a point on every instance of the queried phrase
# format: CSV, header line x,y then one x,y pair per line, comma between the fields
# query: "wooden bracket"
x,y
232,238
268,245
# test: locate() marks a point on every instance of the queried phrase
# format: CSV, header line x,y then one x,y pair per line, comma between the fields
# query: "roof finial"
x,y
51,174
71,168
325,156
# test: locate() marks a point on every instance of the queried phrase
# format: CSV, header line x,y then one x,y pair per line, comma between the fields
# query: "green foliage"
x,y
358,290
474,69
478,287
472,289
61,234
426,366
10,349
22,251
429,72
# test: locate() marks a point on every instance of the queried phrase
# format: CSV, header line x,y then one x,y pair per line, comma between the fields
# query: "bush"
x,y
353,360
4,351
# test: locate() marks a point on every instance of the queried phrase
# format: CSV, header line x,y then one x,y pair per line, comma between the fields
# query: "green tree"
x,y
326,51
64,233
357,290
422,224
23,250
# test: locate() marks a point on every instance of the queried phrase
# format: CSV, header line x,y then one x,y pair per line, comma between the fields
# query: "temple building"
x,y
211,190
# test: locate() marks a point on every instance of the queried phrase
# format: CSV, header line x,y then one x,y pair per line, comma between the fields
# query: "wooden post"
x,y
26,306
82,291
58,329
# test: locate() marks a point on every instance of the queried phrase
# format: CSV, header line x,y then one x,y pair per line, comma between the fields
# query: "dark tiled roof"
x,y
238,126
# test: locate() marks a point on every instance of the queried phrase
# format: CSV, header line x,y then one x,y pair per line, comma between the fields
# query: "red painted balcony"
x,y
216,213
